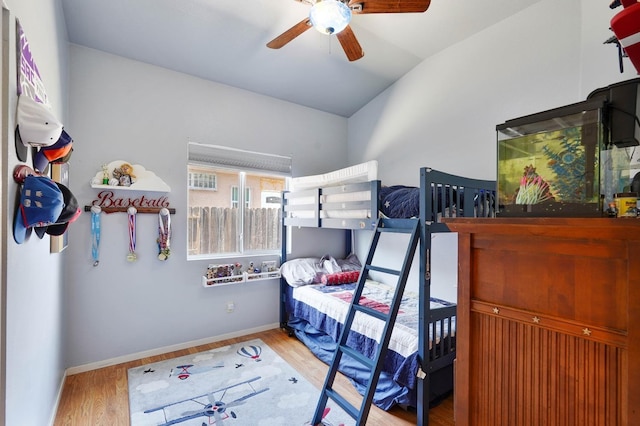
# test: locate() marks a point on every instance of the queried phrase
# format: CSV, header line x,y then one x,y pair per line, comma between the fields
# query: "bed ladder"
x,y
405,226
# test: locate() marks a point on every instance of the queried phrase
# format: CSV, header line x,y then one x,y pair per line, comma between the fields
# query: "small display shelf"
x,y
139,178
238,279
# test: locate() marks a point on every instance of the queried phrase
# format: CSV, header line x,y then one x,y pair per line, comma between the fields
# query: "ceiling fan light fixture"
x,y
330,16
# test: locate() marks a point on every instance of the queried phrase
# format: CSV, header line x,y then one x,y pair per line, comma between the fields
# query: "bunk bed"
x,y
315,291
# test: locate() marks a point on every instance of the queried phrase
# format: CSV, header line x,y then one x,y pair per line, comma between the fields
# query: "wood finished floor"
x,y
100,397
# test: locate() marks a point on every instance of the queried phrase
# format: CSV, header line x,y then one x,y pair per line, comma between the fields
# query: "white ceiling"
x,y
225,41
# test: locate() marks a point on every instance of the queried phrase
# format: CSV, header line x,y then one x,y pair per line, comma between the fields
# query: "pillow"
x,y
400,201
309,270
329,265
302,271
340,278
351,263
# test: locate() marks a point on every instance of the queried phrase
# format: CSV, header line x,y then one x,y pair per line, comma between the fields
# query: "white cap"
x,y
37,125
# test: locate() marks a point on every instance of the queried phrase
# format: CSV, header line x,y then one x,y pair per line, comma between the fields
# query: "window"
x,y
235,192
202,180
234,201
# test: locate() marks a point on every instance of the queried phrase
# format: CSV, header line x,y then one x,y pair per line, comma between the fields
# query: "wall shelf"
x,y
145,180
239,279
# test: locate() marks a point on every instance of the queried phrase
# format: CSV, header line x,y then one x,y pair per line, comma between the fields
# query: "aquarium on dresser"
x,y
549,163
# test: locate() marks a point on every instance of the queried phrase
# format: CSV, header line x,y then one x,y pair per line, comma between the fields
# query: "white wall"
x,y
443,113
34,329
122,109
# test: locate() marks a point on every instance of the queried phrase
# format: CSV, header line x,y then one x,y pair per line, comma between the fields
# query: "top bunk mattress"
x,y
363,172
344,198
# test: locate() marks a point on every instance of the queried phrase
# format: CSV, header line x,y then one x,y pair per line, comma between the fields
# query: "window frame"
x,y
250,163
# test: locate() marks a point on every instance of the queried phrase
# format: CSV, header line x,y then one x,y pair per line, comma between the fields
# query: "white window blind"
x,y
238,159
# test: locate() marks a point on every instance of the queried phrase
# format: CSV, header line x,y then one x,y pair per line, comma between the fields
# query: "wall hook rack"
x,y
155,210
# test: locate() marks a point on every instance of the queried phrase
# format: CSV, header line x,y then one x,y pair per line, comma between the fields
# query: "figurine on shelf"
x,y
237,270
105,174
124,174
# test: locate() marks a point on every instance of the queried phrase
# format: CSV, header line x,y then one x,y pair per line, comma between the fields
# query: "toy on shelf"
x,y
232,273
270,267
223,274
123,175
105,174
626,26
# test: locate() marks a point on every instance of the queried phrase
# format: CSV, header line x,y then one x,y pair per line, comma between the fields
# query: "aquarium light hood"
x,y
554,119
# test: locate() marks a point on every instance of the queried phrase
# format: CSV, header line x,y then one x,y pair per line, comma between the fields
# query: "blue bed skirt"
x,y
388,392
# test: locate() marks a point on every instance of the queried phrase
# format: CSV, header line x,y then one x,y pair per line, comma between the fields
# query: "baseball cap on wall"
x,y
49,154
69,214
37,126
41,203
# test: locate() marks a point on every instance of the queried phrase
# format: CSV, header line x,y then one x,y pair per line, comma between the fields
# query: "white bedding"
x,y
334,302
362,172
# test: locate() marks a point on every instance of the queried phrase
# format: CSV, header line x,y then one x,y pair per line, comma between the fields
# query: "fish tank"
x,y
549,163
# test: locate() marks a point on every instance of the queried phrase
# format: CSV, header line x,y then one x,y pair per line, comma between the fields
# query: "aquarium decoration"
x,y
568,167
533,188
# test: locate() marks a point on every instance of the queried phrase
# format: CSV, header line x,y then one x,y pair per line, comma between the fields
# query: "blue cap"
x,y
41,203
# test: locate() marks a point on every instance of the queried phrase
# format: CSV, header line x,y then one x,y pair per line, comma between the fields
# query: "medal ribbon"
x,y
164,231
95,234
132,234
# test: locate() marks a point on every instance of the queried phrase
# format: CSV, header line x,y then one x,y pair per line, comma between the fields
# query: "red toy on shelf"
x,y
626,27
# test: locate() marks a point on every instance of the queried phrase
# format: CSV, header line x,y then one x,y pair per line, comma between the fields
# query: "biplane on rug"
x,y
241,384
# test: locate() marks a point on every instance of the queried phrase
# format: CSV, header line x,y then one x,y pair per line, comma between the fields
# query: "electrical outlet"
x,y
230,306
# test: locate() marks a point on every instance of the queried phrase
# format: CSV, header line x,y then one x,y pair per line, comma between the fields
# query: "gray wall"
x,y
127,110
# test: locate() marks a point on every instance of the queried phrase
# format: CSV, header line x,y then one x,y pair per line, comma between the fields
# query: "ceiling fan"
x,y
333,17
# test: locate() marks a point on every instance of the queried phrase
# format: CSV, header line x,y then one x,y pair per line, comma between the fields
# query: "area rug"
x,y
241,384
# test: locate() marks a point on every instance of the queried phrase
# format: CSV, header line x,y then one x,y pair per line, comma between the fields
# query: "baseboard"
x,y
56,405
159,351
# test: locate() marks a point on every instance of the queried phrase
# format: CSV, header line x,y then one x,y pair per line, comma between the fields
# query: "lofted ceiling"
x,y
225,41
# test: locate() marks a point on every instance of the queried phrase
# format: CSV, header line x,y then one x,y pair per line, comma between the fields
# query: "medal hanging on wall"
x,y
164,234
95,234
131,256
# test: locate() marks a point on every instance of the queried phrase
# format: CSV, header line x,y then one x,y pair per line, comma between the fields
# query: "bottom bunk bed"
x,y
418,367
317,311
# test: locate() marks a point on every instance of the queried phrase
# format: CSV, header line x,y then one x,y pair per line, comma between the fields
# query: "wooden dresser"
x,y
548,329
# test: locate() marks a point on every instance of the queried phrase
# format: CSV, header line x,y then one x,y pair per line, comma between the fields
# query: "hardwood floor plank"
x,y
101,397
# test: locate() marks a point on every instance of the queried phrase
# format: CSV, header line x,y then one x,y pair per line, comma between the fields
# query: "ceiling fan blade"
x,y
389,6
290,34
350,44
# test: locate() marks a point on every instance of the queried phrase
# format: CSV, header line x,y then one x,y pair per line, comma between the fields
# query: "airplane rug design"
x,y
241,384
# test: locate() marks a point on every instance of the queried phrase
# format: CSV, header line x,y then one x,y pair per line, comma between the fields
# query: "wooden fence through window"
x,y
214,230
